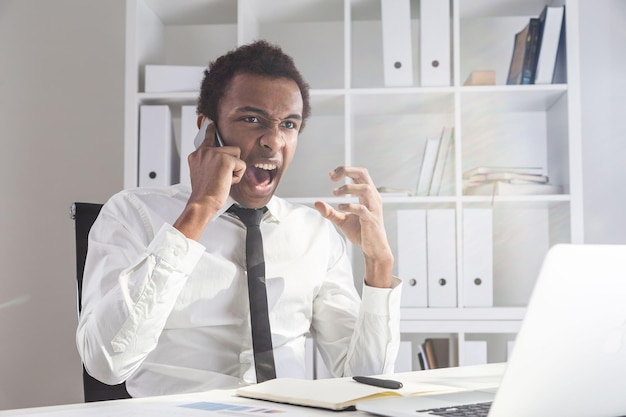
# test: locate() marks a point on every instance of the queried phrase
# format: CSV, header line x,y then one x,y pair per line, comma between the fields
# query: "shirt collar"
x,y
273,209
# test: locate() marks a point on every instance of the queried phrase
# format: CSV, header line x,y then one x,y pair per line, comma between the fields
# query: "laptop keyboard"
x,y
466,410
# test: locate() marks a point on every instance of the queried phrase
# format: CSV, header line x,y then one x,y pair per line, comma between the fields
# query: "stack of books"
x,y
434,353
437,152
539,50
507,181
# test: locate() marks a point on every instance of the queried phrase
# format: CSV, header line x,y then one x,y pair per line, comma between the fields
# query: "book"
x,y
532,48
494,169
520,46
509,188
442,156
423,358
481,77
560,66
334,393
429,159
551,24
506,176
437,352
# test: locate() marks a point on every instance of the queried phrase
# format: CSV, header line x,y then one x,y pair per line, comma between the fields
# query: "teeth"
x,y
267,167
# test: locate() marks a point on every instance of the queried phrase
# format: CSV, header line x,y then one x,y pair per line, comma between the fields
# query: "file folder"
x,y
435,43
441,255
475,352
404,360
477,257
173,78
412,257
397,57
158,157
188,131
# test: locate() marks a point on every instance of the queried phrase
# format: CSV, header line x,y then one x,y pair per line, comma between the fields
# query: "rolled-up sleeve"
x,y
131,282
356,335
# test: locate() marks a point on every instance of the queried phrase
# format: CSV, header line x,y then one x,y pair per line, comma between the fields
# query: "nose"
x,y
273,139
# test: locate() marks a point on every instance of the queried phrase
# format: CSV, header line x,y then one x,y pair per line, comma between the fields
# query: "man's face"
x,y
262,116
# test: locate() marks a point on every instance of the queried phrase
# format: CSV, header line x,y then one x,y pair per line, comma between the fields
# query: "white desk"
x,y
169,406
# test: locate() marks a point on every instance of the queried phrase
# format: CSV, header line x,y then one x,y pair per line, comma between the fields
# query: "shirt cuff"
x,y
381,301
178,251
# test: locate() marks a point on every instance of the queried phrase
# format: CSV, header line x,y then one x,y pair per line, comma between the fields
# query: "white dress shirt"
x,y
168,314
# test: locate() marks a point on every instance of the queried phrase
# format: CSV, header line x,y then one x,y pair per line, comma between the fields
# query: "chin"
x,y
251,200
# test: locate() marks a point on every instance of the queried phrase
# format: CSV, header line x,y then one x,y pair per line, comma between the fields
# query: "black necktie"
x,y
257,294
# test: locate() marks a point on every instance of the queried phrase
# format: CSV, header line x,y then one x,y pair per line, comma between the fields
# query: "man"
x,y
165,301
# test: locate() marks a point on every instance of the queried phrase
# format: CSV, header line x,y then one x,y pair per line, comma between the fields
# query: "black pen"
x,y
383,383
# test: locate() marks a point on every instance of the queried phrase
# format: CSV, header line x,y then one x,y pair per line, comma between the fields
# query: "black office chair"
x,y
84,214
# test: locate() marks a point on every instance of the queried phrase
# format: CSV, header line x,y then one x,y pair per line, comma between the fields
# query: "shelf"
x,y
521,201
462,314
511,98
172,99
356,120
387,200
452,326
398,101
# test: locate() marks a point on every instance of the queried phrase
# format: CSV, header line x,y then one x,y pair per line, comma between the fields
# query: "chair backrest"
x,y
84,214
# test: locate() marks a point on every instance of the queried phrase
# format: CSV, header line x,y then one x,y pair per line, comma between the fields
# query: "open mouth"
x,y
261,174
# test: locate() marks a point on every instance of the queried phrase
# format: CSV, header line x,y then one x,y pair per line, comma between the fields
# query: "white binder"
x,y
475,352
441,254
435,57
477,257
397,58
188,131
158,158
404,360
173,78
412,257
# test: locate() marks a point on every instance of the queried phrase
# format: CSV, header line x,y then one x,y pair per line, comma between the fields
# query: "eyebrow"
x,y
265,114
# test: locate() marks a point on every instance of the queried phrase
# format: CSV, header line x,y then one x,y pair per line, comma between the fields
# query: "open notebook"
x,y
569,357
339,393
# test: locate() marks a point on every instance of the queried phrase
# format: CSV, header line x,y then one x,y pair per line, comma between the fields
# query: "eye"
x,y
251,119
290,125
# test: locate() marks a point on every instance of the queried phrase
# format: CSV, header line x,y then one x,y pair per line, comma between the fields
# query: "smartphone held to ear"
x,y
200,136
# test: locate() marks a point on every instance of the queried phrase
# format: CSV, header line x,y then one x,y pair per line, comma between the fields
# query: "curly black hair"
x,y
259,57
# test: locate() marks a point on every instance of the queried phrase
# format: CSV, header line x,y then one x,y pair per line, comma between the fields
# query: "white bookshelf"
x,y
356,120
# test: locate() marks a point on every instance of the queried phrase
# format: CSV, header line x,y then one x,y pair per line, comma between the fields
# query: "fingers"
x,y
324,208
366,193
209,132
329,212
358,175
210,158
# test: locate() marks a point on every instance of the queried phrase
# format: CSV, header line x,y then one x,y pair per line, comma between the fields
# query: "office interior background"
x,y
62,127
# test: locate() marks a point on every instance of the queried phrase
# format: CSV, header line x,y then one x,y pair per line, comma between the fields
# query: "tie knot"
x,y
249,217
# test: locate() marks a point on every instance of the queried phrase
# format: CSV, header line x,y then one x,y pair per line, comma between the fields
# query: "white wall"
x,y
603,79
61,128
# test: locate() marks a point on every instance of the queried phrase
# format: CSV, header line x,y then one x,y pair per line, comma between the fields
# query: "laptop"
x,y
569,358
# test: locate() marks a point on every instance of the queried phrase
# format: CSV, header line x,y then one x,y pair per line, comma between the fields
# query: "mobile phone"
x,y
200,136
